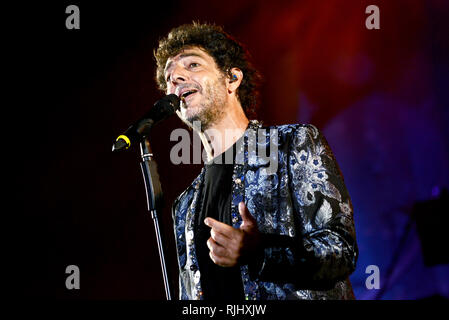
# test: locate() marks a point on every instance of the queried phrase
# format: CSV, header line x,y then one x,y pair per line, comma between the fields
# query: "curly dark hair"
x,y
226,51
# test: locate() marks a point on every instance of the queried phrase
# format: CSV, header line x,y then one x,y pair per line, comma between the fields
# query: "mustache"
x,y
188,85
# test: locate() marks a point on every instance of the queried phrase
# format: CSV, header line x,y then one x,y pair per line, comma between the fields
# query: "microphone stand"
x,y
154,196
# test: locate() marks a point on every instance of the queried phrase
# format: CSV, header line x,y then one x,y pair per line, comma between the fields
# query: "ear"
x,y
234,79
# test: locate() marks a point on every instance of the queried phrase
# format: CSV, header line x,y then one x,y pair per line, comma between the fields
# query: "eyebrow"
x,y
183,55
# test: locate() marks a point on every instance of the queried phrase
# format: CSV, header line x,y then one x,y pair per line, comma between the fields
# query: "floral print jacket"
x,y
302,206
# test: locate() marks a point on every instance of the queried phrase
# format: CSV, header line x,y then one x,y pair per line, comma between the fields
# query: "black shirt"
x,y
218,283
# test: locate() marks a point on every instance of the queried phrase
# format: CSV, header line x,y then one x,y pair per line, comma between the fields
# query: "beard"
x,y
211,108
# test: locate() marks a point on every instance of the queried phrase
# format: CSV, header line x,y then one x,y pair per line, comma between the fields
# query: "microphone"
x,y
161,110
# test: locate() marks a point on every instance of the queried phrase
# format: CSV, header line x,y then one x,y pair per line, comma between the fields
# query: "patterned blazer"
x,y
298,197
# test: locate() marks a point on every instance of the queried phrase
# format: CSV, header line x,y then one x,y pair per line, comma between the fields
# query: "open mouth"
x,y
184,95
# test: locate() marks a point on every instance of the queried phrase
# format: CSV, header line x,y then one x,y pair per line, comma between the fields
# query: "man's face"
x,y
194,76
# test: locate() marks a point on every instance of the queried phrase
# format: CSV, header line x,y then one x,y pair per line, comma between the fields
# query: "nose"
x,y
178,75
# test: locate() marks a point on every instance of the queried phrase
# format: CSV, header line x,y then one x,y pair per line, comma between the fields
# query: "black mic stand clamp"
x,y
154,198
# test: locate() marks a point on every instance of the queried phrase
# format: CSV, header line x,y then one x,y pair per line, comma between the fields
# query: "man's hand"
x,y
228,246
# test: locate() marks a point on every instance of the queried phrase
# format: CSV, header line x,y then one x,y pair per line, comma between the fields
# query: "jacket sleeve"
x,y
324,249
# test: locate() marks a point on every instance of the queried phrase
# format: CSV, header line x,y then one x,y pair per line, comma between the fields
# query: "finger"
x,y
220,261
219,227
216,248
216,259
219,238
247,217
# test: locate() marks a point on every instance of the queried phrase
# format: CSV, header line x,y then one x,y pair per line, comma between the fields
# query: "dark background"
x,y
379,96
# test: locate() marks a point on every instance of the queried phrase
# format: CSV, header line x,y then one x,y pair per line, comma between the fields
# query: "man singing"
x,y
252,226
